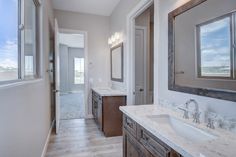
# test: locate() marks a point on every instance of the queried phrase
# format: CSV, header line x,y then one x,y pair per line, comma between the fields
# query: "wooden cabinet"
x,y
132,148
106,113
138,142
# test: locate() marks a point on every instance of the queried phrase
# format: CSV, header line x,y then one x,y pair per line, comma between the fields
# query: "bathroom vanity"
x,y
139,142
156,131
105,109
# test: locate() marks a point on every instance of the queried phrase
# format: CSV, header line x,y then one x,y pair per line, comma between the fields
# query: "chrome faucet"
x,y
196,114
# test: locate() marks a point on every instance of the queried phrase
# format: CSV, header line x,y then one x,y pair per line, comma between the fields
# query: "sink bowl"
x,y
181,128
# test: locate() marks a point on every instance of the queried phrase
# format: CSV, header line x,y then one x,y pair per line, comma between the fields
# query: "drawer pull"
x,y
144,137
130,124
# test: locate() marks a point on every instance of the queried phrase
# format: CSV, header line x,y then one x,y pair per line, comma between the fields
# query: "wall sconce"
x,y
115,39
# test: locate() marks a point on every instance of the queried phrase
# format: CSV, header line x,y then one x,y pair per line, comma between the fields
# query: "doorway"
x,y
72,75
144,57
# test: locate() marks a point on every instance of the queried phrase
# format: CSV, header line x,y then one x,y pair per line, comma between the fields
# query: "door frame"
x,y
86,69
144,29
130,47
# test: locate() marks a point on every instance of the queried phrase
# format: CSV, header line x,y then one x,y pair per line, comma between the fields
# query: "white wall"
x,y
72,40
25,109
118,23
162,8
97,28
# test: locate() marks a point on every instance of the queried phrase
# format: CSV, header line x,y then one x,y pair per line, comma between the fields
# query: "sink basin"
x,y
181,128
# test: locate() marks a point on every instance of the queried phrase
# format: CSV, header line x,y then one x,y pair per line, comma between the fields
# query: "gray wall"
x,y
64,68
162,9
97,28
185,28
67,55
25,109
118,23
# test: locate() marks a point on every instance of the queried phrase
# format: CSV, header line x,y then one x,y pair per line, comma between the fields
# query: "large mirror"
x,y
202,48
117,63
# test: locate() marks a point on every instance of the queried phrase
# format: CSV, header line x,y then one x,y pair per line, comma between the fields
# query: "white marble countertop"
x,y
106,91
223,146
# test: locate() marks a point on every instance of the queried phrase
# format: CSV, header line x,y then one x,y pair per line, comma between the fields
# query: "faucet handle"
x,y
186,111
196,117
210,123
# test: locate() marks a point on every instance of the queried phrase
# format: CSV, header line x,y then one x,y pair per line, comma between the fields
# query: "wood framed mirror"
x,y
117,63
202,49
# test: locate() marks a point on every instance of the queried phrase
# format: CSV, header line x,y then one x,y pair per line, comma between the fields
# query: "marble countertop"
x,y
105,91
223,146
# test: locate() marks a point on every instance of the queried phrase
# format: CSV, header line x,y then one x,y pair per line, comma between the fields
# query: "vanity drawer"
x,y
96,97
152,144
130,125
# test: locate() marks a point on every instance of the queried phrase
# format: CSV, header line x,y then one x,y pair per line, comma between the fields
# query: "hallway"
x,y
72,105
81,138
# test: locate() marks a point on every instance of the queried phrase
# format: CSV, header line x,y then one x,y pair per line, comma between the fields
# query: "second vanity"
x,y
105,109
155,131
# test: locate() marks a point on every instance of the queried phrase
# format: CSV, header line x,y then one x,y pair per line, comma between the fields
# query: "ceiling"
x,y
97,7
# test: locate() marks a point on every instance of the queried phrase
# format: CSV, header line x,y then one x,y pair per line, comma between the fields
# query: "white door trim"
x,y
86,89
144,29
130,47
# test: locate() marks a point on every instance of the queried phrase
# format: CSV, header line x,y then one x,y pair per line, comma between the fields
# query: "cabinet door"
x,y
94,110
100,115
131,147
94,106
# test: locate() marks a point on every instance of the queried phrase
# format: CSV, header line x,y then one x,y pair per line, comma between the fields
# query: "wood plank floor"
x,y
81,138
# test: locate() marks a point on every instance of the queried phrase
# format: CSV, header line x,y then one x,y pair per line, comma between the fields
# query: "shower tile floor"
x,y
72,105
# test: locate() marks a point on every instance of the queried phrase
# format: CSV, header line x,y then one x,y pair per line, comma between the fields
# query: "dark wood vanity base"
x,y
138,142
106,113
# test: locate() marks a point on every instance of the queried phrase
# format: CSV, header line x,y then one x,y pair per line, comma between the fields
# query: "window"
x,y
79,70
30,39
215,49
9,49
18,40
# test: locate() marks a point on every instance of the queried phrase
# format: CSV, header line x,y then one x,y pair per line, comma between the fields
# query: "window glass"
x,y
215,48
30,39
8,40
29,68
79,70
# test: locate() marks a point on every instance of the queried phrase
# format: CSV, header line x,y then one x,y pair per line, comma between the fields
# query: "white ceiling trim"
x,y
97,7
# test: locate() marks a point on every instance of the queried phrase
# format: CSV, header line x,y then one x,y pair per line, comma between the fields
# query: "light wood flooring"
x,y
81,138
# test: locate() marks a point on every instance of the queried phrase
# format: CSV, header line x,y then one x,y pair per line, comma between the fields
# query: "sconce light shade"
x,y
115,39
109,41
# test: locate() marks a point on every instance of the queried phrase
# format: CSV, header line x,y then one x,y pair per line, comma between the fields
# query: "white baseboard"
x,y
47,140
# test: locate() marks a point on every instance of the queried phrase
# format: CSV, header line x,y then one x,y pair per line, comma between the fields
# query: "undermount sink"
x,y
181,128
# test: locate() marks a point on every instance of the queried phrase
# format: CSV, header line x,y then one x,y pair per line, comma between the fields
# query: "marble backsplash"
x,y
219,121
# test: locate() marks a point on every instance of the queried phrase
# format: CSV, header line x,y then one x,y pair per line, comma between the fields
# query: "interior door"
x,y
57,77
140,97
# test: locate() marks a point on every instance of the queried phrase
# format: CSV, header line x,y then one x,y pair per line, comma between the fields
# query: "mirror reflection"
x,y
205,46
117,63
